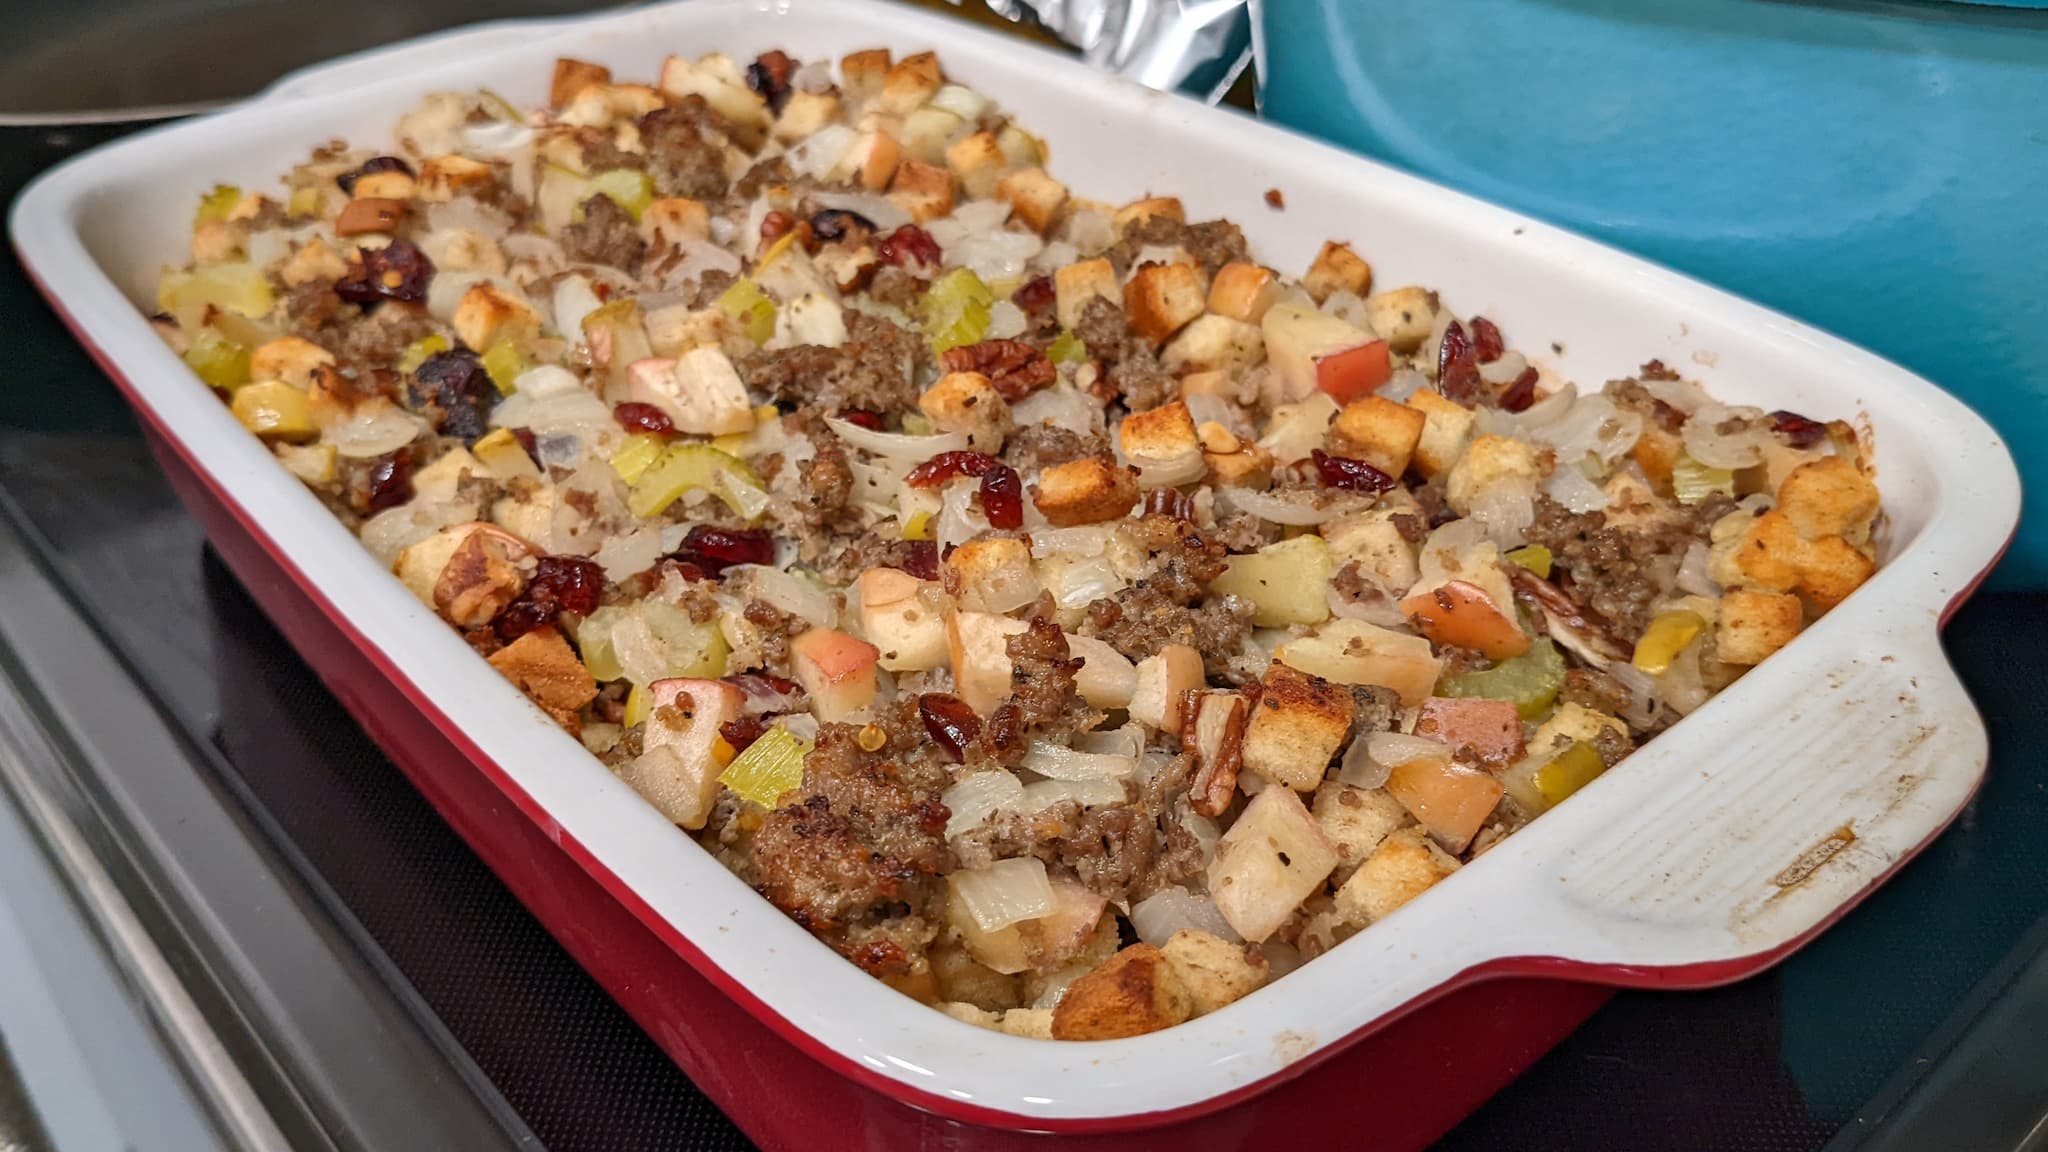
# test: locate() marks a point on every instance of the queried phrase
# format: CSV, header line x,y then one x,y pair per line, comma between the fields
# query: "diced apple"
x,y
1354,652
837,671
1463,615
678,770
1450,800
1286,583
1106,679
1271,859
700,390
899,616
979,644
1161,680
1243,292
1297,430
1298,336
1354,373
436,482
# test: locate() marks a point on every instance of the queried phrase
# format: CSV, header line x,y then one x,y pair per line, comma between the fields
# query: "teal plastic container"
x,y
1878,170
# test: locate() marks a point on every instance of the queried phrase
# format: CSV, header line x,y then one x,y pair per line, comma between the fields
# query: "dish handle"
x,y
1800,802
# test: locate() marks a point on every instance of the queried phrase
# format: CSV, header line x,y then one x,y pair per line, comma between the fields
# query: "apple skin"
x,y
1355,373
1461,614
836,670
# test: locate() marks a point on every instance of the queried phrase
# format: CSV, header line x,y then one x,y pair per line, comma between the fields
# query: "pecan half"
x,y
1214,732
1014,367
481,578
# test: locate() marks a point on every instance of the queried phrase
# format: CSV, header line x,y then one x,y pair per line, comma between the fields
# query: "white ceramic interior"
x,y
1713,849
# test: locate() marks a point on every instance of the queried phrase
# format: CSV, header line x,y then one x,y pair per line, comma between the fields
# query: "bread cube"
x,y
805,113
900,620
573,76
1077,283
1831,569
1355,820
1491,464
1269,861
1214,343
1575,722
1034,197
1770,553
1138,211
1404,317
1337,269
314,260
1213,970
924,191
487,314
909,83
1446,424
1134,992
1085,491
1159,435
667,221
1378,431
1297,727
288,358
861,73
543,666
1249,467
978,161
965,402
1161,298
1243,292
993,575
1829,497
1753,624
1404,866
1375,543
872,160
1163,681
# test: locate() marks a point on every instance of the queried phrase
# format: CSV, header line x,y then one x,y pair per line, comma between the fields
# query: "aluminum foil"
x,y
1199,47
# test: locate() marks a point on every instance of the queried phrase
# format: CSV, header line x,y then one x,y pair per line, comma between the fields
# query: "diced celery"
x,y
219,361
1692,481
916,424
1530,681
498,106
217,204
1535,557
636,455
303,202
745,302
781,245
771,766
594,644
1665,638
629,189
956,309
686,466
1067,348
417,352
273,410
1540,785
639,702
504,364
918,527
231,286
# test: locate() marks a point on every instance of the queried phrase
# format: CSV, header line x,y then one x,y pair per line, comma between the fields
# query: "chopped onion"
x,y
801,725
1085,793
1405,382
467,213
1205,832
1644,709
788,591
978,796
1128,740
698,257
958,520
1359,769
1693,577
559,450
899,445
1281,509
1593,426
1681,686
1569,487
1683,395
1089,231
1506,510
1005,892
1158,916
818,154
1061,407
1006,321
1390,750
1504,370
961,101
1080,541
1375,605
374,429
1349,307
815,77
1055,256
1058,762
495,138
880,211
1185,468
629,553
1706,443
395,529
574,299
999,254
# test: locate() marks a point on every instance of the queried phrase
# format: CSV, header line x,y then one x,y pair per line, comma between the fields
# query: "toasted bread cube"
x,y
1771,552
542,665
1160,298
1159,435
1829,497
1445,427
1214,971
1831,569
1138,211
288,358
1405,865
1269,861
978,161
465,250
1249,467
486,314
1374,541
666,222
805,113
1755,624
992,575
1297,727
922,190
718,81
444,178
1355,820
967,1013
1133,992
1378,431
967,403
1576,722
1337,269
1085,491
1404,317
314,260
862,73
910,82
1214,343
1080,282
1164,680
1031,1023
1490,464
872,160
1243,292
573,76
1035,197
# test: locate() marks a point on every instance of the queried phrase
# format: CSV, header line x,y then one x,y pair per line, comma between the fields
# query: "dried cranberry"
x,y
1517,396
397,271
862,418
1014,368
1486,341
560,584
347,180
769,76
1002,497
1457,368
634,416
391,480
1170,502
526,441
455,383
921,559
951,723
1349,474
835,224
1797,430
947,465
1036,298
715,549
744,731
909,244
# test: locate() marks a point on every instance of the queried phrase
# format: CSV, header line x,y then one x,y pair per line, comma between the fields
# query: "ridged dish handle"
x,y
1793,804
373,64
